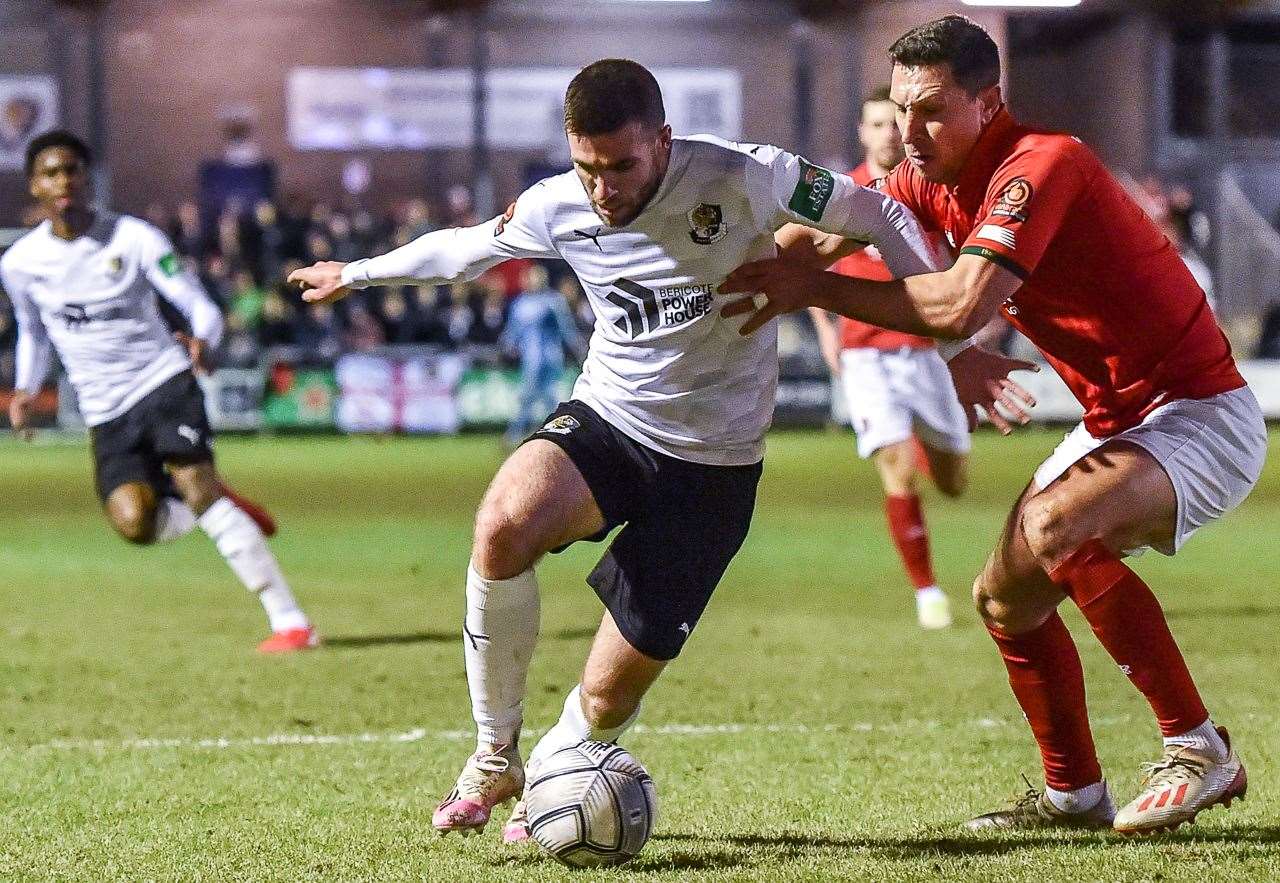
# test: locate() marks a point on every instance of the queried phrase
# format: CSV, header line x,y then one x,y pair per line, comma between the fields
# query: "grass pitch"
x,y
810,731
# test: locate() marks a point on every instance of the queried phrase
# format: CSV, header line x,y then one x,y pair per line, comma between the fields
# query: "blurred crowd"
x,y
243,257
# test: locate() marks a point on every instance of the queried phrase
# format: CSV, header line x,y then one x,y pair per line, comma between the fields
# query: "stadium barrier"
x,y
427,391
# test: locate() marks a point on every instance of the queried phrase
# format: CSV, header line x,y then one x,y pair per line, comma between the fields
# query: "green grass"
x,y
884,737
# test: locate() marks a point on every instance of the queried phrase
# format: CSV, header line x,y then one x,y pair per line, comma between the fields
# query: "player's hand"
x,y
20,408
981,378
321,283
778,286
197,351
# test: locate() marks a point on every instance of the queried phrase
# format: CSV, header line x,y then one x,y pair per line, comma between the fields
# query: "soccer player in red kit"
x,y
897,391
1172,437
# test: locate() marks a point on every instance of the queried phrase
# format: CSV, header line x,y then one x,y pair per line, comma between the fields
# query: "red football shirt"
x,y
866,264
1105,295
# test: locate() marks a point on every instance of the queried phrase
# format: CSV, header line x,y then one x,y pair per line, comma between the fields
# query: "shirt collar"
x,y
988,152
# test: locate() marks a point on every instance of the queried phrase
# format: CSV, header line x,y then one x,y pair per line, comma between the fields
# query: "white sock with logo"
x,y
245,550
498,636
174,519
573,728
1078,800
1203,738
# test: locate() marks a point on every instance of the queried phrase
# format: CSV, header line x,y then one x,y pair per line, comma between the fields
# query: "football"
x,y
591,805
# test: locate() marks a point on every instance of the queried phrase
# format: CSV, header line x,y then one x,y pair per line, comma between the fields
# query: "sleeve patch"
x,y
1014,199
1000,235
813,191
169,264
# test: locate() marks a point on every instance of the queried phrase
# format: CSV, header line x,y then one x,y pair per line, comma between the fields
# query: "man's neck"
x,y
876,170
73,223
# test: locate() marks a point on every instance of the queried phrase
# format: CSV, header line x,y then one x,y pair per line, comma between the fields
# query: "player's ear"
x,y
991,99
664,135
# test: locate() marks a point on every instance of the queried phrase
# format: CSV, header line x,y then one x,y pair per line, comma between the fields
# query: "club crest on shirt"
x,y
114,266
1014,199
706,223
562,425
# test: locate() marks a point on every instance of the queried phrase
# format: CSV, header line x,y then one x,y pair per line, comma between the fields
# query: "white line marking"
x,y
421,734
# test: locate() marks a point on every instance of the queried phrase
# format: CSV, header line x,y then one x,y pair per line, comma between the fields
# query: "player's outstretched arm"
x,y
440,257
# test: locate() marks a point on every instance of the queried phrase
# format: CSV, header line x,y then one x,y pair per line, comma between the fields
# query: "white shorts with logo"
x,y
894,394
1212,450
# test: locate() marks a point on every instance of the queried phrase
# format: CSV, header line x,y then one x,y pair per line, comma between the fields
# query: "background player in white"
x,y
84,282
665,431
897,390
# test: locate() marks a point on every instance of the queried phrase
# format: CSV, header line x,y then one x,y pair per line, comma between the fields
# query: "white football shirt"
x,y
94,299
663,366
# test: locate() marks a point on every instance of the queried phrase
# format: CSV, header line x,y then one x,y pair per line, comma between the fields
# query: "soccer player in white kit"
x,y
665,430
84,283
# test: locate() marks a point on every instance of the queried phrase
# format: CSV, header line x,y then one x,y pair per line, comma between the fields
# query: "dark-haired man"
x,y
84,283
1172,437
897,391
665,431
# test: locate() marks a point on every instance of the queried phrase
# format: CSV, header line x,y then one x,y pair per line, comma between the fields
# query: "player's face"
x,y
621,170
878,133
939,121
59,180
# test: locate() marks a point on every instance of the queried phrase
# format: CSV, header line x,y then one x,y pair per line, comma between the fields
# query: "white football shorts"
x,y
1212,450
894,394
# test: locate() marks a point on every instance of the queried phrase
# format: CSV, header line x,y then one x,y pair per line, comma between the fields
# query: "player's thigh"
x,y
1117,493
938,419
659,573
1013,592
878,416
616,676
538,501
177,430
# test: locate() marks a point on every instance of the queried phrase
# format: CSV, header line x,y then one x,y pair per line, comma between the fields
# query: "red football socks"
x,y
1046,677
1129,623
906,526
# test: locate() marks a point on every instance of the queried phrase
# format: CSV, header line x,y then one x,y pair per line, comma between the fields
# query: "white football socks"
x,y
174,519
1079,800
247,554
498,637
573,728
1203,738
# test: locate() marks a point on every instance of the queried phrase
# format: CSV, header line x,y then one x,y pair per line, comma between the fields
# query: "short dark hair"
x,y
56,138
954,40
876,95
608,94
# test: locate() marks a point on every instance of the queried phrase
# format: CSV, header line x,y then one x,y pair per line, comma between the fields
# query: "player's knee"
x,y
501,547
606,707
1048,530
133,519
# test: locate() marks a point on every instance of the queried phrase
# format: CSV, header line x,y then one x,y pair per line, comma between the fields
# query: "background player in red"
x,y
1172,437
897,390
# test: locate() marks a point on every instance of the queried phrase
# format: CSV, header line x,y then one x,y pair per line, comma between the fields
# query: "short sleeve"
x,y
1027,201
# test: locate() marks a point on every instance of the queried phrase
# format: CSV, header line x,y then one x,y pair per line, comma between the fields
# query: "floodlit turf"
x,y
810,731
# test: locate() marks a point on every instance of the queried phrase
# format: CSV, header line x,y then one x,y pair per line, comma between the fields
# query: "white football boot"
x,y
1180,786
490,777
